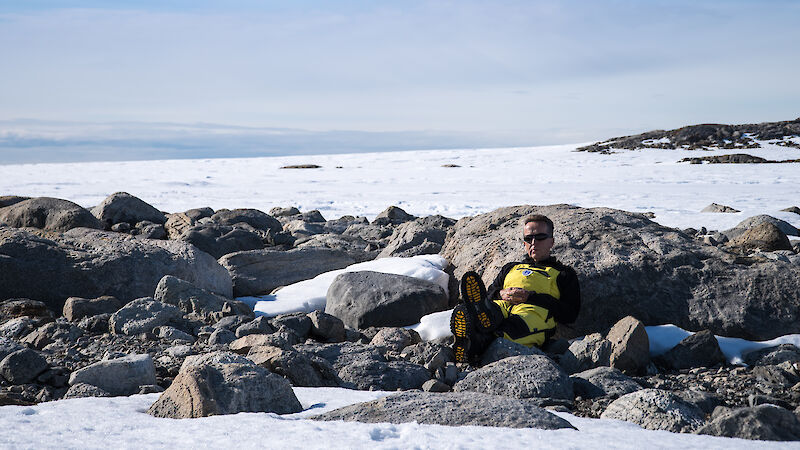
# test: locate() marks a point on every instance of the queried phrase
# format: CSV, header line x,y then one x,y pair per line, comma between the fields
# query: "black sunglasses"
x,y
538,237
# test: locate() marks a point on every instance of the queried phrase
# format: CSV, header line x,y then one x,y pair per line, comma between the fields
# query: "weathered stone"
x,y
261,271
259,325
395,338
524,376
51,332
76,308
17,328
142,315
435,386
120,376
655,409
22,366
253,217
325,327
95,324
590,352
630,346
393,215
172,334
149,230
422,236
697,350
23,307
300,369
193,300
364,299
763,423
717,208
298,322
754,221
428,354
82,390
283,212
773,355
451,409
603,382
124,207
282,338
51,214
343,354
214,359
383,376
503,348
765,237
370,232
221,336
355,247
8,346
8,200
219,240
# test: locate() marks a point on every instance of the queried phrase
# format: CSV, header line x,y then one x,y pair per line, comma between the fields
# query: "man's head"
x,y
537,232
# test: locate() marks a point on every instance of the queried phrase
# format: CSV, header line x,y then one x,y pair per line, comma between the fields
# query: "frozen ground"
x,y
365,184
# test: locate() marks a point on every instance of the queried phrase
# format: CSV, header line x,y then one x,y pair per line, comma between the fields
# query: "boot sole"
x,y
460,326
473,293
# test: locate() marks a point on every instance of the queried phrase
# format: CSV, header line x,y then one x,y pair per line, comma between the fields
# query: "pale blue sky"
x,y
489,73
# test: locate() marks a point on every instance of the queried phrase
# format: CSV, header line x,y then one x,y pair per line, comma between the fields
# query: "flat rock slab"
x,y
527,376
452,409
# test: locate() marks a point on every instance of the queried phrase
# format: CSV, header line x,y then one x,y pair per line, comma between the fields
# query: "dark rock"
x,y
120,376
395,339
393,215
765,237
221,336
8,346
784,374
343,354
97,324
435,386
428,354
22,366
253,217
421,236
326,328
142,315
383,376
149,230
300,369
124,207
773,355
297,322
793,209
697,350
519,376
23,307
219,240
754,221
17,328
355,247
76,308
363,299
198,302
172,334
8,200
655,409
261,271
763,423
503,348
603,382
82,390
232,322
51,332
338,226
630,346
450,409
284,212
370,232
51,214
259,325
717,208
587,353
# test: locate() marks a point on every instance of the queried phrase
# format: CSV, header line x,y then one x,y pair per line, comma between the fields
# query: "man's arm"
x,y
566,308
493,291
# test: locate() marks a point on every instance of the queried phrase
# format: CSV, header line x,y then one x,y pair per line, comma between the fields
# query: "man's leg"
x,y
487,313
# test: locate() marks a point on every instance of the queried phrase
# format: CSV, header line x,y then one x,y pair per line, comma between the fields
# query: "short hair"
x,y
539,218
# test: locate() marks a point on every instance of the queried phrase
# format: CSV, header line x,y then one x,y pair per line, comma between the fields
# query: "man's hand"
x,y
514,295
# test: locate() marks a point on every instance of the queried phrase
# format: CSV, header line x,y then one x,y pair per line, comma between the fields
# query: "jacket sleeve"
x,y
565,309
493,291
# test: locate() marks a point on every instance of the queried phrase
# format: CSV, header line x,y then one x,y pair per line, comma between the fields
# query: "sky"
x,y
83,79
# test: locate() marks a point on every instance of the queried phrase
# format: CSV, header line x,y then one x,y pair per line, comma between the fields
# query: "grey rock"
x,y
51,214
299,323
629,265
784,374
590,352
364,299
17,328
120,376
299,228
370,232
754,221
338,226
697,350
326,328
393,215
52,332
142,315
95,324
213,358
22,366
8,200
90,263
282,338
83,390
655,409
603,382
205,305
219,240
208,390
259,325
8,346
717,208
124,207
428,354
76,308
503,348
383,376
300,369
772,355
355,247
284,211
630,346
149,230
343,354
221,336
763,423
395,338
23,307
261,271
524,376
450,409
765,237
423,236
232,322
172,334
793,209
435,386
253,217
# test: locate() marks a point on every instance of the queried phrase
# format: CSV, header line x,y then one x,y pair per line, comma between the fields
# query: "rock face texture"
x,y
90,263
451,409
526,376
629,265
656,410
120,376
51,214
372,299
202,304
763,422
123,207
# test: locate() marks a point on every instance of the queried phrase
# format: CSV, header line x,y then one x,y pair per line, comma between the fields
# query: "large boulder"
x,y
754,221
120,376
364,299
355,247
209,389
260,271
762,423
655,409
76,308
423,236
51,214
88,263
603,382
766,237
629,265
123,207
526,376
203,304
450,409
253,217
22,366
697,350
141,316
630,346
219,240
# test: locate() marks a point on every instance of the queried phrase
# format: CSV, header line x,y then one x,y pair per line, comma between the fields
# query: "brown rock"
x,y
630,346
766,237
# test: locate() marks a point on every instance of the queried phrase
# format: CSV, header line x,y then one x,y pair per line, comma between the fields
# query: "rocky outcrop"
x,y
423,236
122,207
51,214
629,265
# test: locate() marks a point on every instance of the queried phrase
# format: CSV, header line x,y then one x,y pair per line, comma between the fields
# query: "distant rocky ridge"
x,y
144,301
706,137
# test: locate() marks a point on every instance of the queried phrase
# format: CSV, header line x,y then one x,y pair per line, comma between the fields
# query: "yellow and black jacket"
x,y
554,297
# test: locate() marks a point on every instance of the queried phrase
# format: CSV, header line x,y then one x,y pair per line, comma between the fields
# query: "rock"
x,y
172,334
51,214
17,328
280,339
76,308
90,264
253,217
221,336
503,348
793,209
284,212
300,369
214,359
395,339
656,409
326,328
428,354
364,299
370,232
772,355
232,322
261,271
590,352
23,307
300,228
120,376
8,200
201,303
383,376
149,230
343,354
421,236
22,366
355,247
435,386
178,223
259,325
51,332
97,324
219,240
393,215
603,382
717,208
83,390
124,207
763,423
142,315
338,226
754,221
630,346
298,322
784,374
698,350
8,346
765,237
524,376
450,409
629,265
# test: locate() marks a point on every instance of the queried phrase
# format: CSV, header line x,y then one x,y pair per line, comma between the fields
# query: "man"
x,y
523,304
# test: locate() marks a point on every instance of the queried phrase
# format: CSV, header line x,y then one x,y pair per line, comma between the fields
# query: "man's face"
x,y
538,249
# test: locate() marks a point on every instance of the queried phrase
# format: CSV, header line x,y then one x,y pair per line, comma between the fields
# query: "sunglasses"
x,y
535,237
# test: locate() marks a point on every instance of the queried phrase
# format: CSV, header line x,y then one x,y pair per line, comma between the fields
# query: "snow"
x,y
645,180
